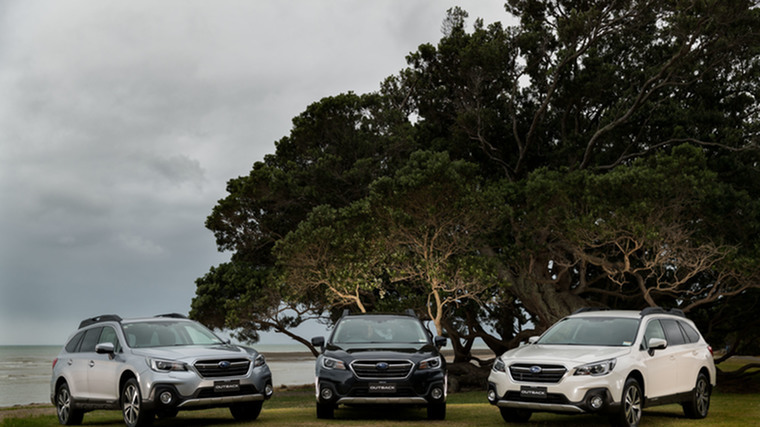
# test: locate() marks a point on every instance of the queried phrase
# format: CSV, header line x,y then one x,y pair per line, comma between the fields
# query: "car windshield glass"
x,y
165,334
600,331
365,330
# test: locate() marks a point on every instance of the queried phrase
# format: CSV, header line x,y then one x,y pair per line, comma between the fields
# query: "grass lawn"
x,y
296,408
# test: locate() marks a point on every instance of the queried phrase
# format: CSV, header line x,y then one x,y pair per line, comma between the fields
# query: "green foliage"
x,y
599,153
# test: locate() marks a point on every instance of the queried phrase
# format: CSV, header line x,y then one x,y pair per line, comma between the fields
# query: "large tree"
x,y
614,142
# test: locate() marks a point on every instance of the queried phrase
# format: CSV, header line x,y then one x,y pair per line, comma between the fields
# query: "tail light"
x,y
709,348
54,362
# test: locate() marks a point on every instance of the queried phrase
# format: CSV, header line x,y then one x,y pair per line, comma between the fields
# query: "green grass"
x,y
296,408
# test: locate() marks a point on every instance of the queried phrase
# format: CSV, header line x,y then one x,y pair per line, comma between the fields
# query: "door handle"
x,y
92,363
70,362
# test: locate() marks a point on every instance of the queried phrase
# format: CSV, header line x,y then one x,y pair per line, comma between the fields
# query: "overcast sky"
x,y
121,122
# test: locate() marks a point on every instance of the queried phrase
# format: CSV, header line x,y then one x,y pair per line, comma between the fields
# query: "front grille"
x,y
222,368
544,373
384,369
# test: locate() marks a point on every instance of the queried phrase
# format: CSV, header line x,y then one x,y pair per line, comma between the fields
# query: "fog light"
x,y
166,397
491,395
268,390
596,402
436,393
326,393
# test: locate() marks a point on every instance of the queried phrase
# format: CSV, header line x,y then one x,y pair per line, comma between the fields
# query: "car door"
x,y
104,369
679,354
691,358
75,370
660,372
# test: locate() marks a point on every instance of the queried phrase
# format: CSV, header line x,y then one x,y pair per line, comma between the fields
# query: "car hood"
x,y
381,352
192,353
570,355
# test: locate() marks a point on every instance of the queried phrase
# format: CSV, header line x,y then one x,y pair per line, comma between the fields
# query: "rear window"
x,y
692,335
673,332
73,343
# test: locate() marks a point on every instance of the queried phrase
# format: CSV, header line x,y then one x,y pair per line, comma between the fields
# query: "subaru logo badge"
x,y
224,364
535,369
382,366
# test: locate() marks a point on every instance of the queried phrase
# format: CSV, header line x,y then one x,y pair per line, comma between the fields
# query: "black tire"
x,y
135,415
512,415
631,405
68,413
699,404
436,411
325,411
248,411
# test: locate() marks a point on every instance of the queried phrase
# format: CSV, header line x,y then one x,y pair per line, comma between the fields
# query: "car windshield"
x,y
370,330
167,333
598,331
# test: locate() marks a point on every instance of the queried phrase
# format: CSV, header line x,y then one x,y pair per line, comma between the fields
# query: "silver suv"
x,y
155,367
607,362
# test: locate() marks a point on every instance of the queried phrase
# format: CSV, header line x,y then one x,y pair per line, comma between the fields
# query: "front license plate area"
x,y
226,386
533,392
382,388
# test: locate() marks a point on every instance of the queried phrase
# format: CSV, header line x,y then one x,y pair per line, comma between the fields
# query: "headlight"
x,y
597,368
499,366
330,363
166,365
259,361
432,363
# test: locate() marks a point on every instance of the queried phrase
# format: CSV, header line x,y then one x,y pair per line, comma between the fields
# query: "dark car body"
x,y
401,365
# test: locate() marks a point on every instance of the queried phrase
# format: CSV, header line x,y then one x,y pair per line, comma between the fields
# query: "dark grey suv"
x,y
381,359
155,367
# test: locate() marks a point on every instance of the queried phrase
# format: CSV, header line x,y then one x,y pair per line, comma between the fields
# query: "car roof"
x,y
631,314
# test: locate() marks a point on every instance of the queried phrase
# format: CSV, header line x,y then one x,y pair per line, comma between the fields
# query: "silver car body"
x,y
214,374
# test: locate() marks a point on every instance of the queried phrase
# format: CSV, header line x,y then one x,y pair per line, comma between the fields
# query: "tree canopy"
x,y
599,153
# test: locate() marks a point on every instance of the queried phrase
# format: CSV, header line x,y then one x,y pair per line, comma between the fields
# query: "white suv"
x,y
607,362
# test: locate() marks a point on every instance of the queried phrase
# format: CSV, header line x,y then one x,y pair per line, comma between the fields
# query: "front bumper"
x,y
598,400
571,395
186,390
342,387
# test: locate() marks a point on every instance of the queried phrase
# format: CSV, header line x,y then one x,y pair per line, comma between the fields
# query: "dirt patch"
x,y
26,411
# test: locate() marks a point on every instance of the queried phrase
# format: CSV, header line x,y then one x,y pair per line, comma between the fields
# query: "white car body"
x,y
665,375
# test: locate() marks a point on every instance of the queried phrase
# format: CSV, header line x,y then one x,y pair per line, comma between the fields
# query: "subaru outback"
x,y
152,367
380,359
607,362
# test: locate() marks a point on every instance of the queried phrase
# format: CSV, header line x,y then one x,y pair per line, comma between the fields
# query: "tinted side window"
x,y
91,337
692,335
672,332
73,343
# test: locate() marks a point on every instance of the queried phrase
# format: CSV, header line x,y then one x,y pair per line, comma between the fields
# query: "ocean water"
x,y
25,371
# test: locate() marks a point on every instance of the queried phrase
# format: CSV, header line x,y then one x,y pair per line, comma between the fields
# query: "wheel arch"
x,y
639,377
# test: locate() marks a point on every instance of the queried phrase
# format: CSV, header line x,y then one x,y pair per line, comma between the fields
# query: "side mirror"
x,y
533,339
439,341
656,344
319,342
105,348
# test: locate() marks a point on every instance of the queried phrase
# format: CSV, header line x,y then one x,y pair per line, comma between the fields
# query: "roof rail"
x,y
660,310
346,312
98,319
652,310
410,312
589,309
172,315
